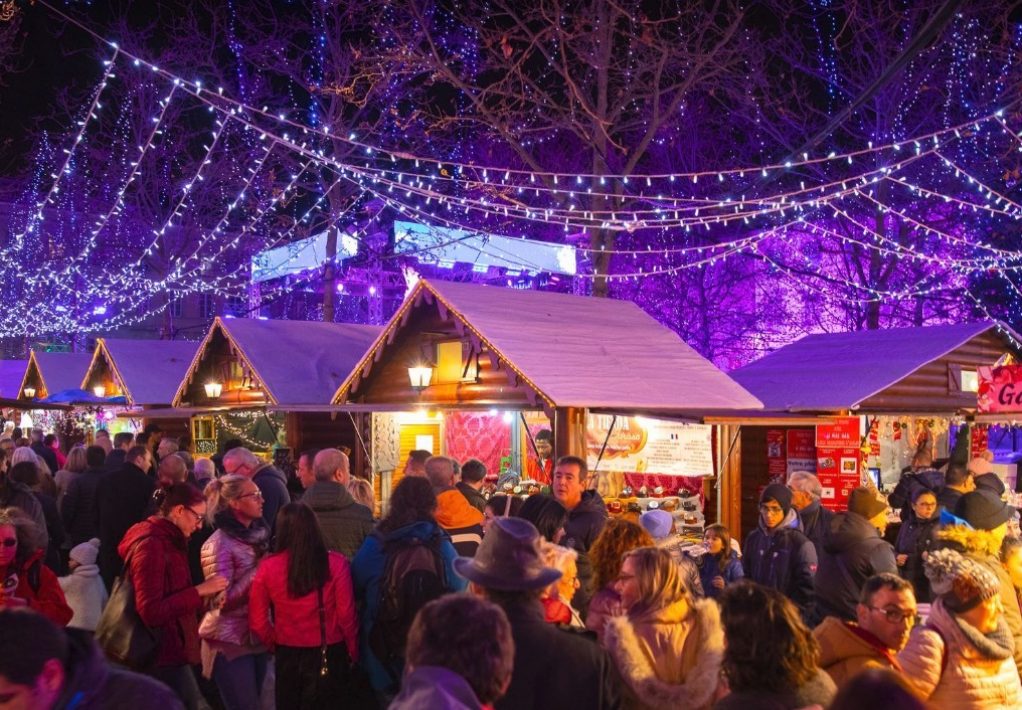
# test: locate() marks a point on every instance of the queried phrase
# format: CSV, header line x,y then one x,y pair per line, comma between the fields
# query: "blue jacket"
x,y
366,570
710,567
782,558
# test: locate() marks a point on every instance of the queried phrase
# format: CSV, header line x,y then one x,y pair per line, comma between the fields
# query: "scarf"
x,y
256,535
998,644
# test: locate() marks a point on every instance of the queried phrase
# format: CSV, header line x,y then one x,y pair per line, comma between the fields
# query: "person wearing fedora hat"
x,y
853,551
554,667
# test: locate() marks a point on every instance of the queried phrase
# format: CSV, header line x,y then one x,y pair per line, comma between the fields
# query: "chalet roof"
x,y
149,371
298,362
832,371
584,352
12,372
60,371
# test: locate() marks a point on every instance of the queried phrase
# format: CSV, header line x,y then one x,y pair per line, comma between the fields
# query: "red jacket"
x,y
48,599
164,594
297,619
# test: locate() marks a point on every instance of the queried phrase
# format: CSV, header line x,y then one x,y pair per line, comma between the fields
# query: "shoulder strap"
x,y
323,667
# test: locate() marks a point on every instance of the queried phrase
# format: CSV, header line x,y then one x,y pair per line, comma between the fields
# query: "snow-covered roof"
x,y
148,371
298,362
12,372
577,351
832,371
60,371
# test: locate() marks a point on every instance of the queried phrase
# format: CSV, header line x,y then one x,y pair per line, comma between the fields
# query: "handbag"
x,y
121,633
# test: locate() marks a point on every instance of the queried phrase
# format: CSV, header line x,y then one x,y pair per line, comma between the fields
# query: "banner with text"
x,y
838,458
656,446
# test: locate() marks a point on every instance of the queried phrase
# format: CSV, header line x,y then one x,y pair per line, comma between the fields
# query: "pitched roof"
x,y
61,371
577,351
298,362
12,372
833,371
149,371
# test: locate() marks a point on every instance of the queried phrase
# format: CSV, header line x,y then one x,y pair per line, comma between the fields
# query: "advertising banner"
x,y
801,450
838,459
1000,389
777,464
654,446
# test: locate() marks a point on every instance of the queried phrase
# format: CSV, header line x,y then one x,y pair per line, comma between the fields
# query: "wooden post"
x,y
729,459
570,432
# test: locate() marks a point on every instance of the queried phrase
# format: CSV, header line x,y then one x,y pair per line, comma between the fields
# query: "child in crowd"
x,y
83,587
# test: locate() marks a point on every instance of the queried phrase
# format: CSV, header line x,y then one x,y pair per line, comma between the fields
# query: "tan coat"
x,y
952,673
843,653
671,659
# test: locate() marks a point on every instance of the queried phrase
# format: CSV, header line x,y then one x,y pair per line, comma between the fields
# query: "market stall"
x,y
45,375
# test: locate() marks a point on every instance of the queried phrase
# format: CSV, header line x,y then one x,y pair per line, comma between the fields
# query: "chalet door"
x,y
416,436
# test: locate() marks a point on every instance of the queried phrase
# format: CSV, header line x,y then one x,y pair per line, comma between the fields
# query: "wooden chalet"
x,y
49,373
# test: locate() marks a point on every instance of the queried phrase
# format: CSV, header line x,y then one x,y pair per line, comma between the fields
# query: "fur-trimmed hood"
x,y
701,680
969,541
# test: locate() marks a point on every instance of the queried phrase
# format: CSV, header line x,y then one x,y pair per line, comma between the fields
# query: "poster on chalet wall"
x,y
999,389
838,460
654,446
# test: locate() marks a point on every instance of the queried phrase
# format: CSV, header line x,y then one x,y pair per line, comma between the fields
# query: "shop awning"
x,y
147,371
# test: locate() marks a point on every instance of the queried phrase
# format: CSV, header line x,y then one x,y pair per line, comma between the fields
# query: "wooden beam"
x,y
570,431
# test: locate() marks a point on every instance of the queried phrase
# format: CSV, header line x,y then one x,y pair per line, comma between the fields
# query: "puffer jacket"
x,y
164,595
671,658
711,567
40,589
782,558
846,649
345,523
460,520
944,662
233,552
853,551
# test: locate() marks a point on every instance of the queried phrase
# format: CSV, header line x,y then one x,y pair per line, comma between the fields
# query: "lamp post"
x,y
213,389
420,376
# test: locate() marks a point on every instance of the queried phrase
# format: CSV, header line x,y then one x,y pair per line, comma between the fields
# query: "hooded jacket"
x,y
928,478
367,570
669,659
18,495
164,595
39,587
93,684
272,483
436,688
815,521
345,523
782,558
853,551
460,520
958,669
585,523
846,650
916,537
86,595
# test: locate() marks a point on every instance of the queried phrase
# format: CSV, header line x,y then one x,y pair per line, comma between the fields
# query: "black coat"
x,y
815,519
476,499
853,551
115,460
915,537
556,668
47,454
122,498
345,523
272,483
55,530
782,558
585,523
78,507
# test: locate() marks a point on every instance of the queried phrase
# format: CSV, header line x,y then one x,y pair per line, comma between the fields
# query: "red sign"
x,y
1000,389
838,471
980,440
801,450
838,432
777,464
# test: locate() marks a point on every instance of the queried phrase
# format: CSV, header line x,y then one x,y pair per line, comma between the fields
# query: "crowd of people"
x,y
134,574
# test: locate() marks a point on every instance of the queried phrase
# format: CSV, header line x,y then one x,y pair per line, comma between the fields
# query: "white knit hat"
x,y
86,553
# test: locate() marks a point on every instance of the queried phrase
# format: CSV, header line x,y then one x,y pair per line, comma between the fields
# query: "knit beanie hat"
x,y
657,523
779,493
991,482
863,501
961,582
85,553
983,509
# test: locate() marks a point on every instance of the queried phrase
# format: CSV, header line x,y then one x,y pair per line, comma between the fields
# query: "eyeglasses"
x,y
9,542
258,495
895,615
198,517
773,509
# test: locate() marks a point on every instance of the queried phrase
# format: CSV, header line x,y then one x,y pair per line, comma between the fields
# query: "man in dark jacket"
x,y
473,473
805,498
554,668
453,512
44,667
344,522
43,451
271,481
78,506
957,482
122,498
587,514
853,551
777,554
123,441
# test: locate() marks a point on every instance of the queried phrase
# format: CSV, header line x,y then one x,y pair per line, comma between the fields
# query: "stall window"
x,y
451,360
970,381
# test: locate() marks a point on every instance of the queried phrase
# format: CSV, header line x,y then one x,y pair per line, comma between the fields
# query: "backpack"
x,y
414,575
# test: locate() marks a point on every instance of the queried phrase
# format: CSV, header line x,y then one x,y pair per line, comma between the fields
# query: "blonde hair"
x,y
565,560
76,460
659,579
221,491
362,491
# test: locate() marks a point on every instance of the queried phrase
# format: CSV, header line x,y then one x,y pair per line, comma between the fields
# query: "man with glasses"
x,y
271,481
885,615
777,554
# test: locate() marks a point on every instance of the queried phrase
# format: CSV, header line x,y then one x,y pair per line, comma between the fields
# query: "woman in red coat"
x,y
310,594
155,552
24,580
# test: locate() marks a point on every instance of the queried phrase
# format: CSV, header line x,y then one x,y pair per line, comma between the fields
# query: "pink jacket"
x,y
297,619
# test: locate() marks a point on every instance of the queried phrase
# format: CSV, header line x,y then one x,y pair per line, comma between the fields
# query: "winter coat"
x,y
121,500
853,551
929,479
233,552
847,649
56,537
272,484
90,683
115,460
815,521
710,568
820,690
78,506
476,499
345,523
948,499
668,659
436,688
782,558
367,570
983,547
957,668
86,595
915,537
46,454
39,587
164,595
585,523
18,495
279,619
556,667
460,520
62,479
